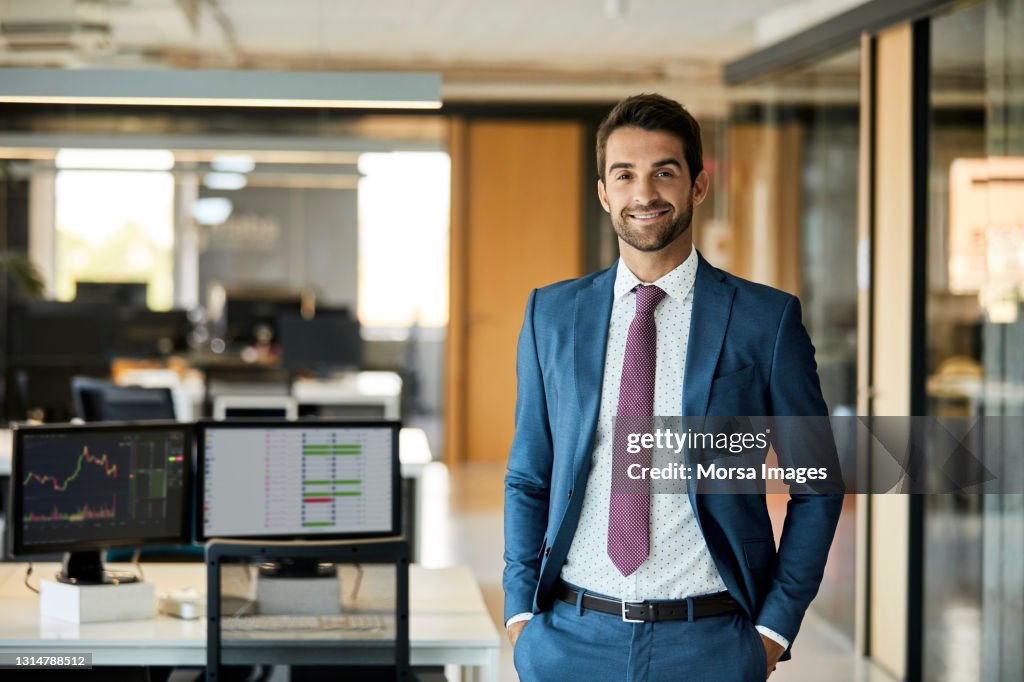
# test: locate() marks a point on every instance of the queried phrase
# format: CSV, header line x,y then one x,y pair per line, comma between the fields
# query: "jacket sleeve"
x,y
811,519
528,480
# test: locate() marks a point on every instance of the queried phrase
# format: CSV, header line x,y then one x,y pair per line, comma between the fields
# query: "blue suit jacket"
x,y
748,355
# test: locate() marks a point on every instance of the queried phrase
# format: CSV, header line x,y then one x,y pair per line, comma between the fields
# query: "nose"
x,y
644,192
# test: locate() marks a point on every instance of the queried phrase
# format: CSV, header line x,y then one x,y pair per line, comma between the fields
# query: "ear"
x,y
602,194
701,185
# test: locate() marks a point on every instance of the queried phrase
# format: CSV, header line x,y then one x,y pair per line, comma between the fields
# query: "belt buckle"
x,y
625,605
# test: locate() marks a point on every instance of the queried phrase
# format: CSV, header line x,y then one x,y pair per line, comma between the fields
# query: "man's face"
x,y
647,188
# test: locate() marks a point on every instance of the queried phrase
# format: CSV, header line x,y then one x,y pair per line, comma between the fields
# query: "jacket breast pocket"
x,y
759,553
733,381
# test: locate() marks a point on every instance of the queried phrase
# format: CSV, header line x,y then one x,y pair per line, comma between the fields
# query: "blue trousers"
x,y
567,643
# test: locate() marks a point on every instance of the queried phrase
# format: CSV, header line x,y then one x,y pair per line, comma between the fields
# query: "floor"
x,y
462,525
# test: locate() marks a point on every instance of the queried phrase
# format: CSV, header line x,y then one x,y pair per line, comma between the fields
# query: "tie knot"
x,y
647,298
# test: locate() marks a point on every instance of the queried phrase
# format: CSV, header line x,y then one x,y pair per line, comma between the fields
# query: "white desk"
x,y
381,390
378,392
448,624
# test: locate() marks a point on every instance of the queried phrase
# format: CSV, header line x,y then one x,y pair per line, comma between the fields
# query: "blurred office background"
x,y
866,156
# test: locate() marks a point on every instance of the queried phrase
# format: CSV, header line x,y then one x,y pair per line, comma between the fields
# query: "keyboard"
x,y
340,626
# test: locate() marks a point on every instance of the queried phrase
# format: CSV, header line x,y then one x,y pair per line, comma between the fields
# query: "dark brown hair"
x,y
654,113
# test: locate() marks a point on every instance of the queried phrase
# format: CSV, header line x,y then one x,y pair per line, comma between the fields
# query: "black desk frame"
x,y
393,550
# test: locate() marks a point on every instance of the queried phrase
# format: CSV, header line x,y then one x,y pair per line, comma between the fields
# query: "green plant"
x,y
24,273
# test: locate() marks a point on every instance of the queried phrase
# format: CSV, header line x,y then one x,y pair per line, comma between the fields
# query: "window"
x,y
403,239
115,226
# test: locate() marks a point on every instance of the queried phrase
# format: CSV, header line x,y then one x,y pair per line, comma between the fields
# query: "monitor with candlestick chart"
x,y
81,489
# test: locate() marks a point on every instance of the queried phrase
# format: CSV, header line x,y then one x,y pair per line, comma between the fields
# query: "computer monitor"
x,y
111,293
99,400
54,334
329,341
311,480
82,489
141,332
47,343
247,311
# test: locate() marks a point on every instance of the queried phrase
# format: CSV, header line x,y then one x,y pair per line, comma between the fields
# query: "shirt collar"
x,y
677,283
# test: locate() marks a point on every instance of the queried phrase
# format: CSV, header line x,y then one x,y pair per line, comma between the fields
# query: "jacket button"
x,y
570,493
547,551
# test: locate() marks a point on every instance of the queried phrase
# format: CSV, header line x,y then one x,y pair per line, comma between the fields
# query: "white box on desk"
x,y
308,596
97,603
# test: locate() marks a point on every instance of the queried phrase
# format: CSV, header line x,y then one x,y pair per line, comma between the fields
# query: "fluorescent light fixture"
x,y
172,87
115,159
211,210
226,181
233,163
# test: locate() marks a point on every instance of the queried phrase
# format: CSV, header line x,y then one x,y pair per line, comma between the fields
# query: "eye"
x,y
664,173
622,176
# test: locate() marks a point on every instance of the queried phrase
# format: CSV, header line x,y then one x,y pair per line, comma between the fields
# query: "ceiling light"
x,y
115,159
211,210
232,163
224,181
222,88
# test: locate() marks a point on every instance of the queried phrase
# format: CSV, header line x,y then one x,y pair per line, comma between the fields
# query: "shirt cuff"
x,y
518,618
770,634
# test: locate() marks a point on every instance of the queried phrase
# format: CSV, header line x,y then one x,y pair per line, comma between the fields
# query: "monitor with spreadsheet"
x,y
82,489
291,480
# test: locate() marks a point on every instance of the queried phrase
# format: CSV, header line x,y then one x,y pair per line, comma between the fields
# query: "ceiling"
x,y
486,50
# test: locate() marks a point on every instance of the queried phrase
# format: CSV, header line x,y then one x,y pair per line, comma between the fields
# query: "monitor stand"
x,y
292,585
297,568
86,568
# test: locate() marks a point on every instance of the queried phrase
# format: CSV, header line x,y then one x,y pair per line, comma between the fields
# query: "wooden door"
x,y
517,224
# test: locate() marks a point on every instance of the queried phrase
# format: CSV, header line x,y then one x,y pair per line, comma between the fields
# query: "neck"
x,y
650,266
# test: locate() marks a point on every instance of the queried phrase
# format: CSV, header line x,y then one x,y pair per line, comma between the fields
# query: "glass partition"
x,y
792,216
211,213
974,545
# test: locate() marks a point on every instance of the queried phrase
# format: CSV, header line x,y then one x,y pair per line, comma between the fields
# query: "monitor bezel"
x,y
183,536
327,423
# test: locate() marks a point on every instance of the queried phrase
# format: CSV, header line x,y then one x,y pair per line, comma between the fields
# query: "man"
x,y
583,568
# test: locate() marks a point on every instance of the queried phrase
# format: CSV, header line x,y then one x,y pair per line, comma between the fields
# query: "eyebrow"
x,y
657,164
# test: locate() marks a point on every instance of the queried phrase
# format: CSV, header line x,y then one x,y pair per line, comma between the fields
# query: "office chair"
x,y
255,407
99,400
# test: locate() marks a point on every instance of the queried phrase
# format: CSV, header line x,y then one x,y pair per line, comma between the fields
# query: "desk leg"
x,y
488,672
493,670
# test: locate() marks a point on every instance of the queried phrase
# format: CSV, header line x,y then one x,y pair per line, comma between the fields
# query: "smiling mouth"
x,y
648,215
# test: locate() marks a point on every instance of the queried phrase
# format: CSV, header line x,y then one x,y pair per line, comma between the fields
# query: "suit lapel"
x,y
590,337
712,303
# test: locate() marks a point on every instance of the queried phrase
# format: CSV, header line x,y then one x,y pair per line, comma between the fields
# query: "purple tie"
x,y
630,510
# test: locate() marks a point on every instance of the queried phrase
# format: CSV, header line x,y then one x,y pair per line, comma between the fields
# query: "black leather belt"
x,y
651,612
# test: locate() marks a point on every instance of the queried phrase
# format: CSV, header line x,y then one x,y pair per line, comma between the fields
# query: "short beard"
x,y
655,242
